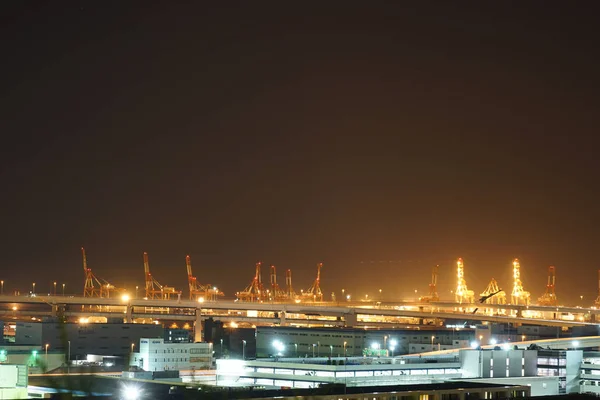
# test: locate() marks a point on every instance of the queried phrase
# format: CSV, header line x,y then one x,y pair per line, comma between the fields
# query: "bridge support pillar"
x,y
282,320
593,318
198,326
350,320
55,309
129,314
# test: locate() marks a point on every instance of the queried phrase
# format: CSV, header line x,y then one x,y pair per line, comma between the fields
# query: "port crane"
x,y
276,293
433,294
291,294
314,292
94,286
549,297
518,295
154,290
493,294
254,291
462,294
199,291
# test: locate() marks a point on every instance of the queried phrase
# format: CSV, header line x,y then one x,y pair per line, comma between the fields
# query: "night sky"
x,y
380,138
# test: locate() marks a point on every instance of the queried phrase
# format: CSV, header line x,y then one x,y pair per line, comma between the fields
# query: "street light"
x,y
33,286
63,289
136,291
69,357
243,349
1,288
385,337
221,355
47,353
132,346
345,343
55,288
330,351
318,348
432,337
279,347
314,345
296,346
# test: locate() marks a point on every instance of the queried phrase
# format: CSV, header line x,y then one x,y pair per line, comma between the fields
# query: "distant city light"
x,y
474,344
200,299
125,297
493,341
375,346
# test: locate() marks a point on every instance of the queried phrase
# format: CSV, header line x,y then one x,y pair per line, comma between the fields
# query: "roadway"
x,y
326,313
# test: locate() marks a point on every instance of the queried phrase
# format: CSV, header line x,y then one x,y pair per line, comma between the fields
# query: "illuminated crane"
x,y
254,291
276,293
89,288
154,290
198,291
549,298
493,294
518,295
314,292
433,294
94,286
288,285
462,294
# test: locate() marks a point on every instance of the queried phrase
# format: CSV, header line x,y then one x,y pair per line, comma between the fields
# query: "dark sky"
x,y
380,138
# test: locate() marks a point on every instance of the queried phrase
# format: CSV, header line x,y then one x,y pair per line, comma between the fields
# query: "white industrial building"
x,y
494,366
156,355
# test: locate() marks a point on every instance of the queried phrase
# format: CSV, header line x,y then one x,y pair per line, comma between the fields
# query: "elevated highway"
x,y
354,314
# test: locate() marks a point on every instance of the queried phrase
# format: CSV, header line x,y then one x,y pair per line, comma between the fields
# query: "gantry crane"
x,y
94,286
518,295
89,288
493,294
314,292
276,293
549,297
462,294
154,290
288,285
254,291
433,294
199,291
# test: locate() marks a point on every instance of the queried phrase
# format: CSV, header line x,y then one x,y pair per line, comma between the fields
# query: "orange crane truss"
x,y
154,290
462,294
288,285
433,294
199,291
549,298
493,294
276,293
254,291
518,295
314,292
94,286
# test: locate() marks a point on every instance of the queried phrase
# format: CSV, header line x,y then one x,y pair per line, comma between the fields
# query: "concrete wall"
x,y
356,340
100,339
540,385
